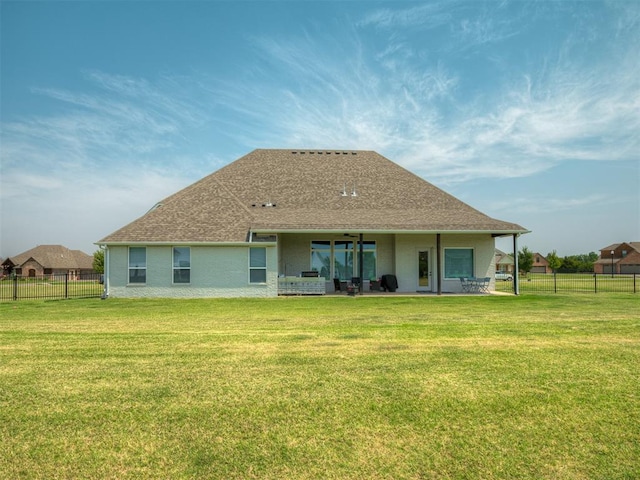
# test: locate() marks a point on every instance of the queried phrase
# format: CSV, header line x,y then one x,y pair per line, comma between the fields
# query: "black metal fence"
x,y
574,282
56,286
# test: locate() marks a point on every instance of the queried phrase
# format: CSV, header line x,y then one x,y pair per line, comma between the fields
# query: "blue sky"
x,y
528,111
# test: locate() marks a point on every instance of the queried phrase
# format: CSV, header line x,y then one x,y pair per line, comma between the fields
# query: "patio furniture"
x,y
475,285
483,284
301,286
353,287
389,283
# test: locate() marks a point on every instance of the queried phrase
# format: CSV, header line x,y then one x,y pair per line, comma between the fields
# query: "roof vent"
x,y
268,204
344,193
155,207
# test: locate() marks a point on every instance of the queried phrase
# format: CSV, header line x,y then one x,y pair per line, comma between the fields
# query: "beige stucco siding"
x,y
295,252
406,258
216,271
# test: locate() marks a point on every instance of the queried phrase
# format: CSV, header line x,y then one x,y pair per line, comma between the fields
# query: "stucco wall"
x,y
216,271
295,252
406,255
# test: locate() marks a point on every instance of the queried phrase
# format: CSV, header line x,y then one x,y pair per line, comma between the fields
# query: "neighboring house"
x,y
540,264
504,262
49,260
619,257
272,220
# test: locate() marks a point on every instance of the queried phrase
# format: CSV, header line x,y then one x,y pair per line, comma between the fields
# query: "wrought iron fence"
x,y
55,286
574,282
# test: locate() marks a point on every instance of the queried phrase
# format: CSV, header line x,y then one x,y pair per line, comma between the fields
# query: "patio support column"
x,y
361,264
516,281
438,269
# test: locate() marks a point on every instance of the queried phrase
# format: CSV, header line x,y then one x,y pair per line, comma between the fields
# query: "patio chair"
x,y
483,285
353,287
337,285
466,285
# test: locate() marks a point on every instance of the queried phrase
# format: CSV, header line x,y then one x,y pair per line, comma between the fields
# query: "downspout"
x,y
105,291
438,270
516,280
361,264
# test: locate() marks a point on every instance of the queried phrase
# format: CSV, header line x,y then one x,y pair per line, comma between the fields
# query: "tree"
x,y
525,260
554,261
98,261
582,263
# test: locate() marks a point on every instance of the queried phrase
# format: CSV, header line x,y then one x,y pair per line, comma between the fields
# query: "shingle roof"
x,y
306,190
54,256
634,245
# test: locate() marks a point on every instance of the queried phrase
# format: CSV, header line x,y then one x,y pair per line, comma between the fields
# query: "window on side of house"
x,y
458,262
137,264
321,258
181,265
257,265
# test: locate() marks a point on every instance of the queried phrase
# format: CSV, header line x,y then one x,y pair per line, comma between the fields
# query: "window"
x,y
458,262
137,264
369,260
321,258
342,256
343,259
257,265
181,265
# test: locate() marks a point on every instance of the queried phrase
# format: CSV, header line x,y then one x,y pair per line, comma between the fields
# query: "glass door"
x,y
424,272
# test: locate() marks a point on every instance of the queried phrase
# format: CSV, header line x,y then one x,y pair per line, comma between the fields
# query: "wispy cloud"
x,y
407,103
104,145
544,204
424,16
396,80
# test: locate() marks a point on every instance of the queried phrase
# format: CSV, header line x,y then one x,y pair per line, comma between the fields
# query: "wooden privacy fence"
x,y
55,286
573,282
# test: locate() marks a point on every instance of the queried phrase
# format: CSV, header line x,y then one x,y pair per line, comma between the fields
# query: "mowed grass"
x,y
334,387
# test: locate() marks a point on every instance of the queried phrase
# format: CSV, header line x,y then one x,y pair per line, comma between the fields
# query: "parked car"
x,y
507,277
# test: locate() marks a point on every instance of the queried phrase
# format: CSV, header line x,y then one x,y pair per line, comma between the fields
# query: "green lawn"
x,y
333,387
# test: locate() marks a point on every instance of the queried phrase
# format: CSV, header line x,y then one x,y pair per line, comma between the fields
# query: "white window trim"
x,y
174,268
444,257
250,269
129,268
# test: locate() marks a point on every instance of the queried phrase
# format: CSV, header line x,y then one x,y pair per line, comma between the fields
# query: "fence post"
x,y
595,282
66,285
555,282
15,287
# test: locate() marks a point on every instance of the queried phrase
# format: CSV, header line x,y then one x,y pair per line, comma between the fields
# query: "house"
x,y
302,221
621,258
49,260
504,262
540,264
